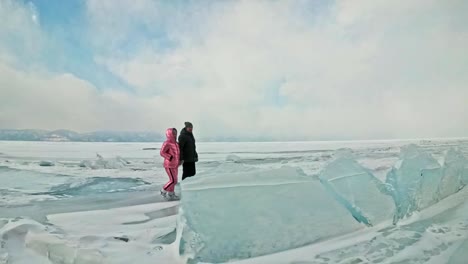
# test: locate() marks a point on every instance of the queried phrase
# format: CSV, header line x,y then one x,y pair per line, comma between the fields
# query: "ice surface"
x,y
28,241
461,254
415,180
109,222
149,229
88,237
233,158
101,163
465,176
22,187
95,185
453,170
57,250
17,186
236,216
358,189
423,238
46,163
227,168
21,180
433,237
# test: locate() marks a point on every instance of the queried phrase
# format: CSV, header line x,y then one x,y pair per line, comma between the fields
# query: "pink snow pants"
x,y
172,174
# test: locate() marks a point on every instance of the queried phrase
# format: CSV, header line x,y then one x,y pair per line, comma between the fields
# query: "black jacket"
x,y
188,150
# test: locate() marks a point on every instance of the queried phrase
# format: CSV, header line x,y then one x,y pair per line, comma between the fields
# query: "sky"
x,y
286,70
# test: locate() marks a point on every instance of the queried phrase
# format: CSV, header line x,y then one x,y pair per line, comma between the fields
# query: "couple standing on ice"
x,y
175,154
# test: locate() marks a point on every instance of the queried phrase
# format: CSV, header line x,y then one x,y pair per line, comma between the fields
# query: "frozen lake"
x,y
72,211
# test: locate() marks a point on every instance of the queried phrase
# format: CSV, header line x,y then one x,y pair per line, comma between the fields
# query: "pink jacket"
x,y
170,150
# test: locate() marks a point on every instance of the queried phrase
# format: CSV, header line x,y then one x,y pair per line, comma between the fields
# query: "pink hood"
x,y
170,136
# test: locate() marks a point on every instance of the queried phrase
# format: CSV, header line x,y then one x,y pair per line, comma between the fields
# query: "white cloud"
x,y
20,35
357,69
49,101
366,69
33,97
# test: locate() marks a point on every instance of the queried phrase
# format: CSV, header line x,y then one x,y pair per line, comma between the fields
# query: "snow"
x,y
91,236
101,163
141,224
233,158
461,254
113,213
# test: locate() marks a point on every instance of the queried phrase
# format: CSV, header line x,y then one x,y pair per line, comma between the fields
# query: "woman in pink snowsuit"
x,y
170,153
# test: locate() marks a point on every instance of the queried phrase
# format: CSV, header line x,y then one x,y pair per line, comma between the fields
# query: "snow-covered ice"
x,y
233,158
297,202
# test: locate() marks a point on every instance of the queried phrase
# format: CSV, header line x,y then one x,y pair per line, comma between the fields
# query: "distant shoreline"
x,y
63,135
267,141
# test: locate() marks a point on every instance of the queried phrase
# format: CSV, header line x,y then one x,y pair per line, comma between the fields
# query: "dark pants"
x,y
188,169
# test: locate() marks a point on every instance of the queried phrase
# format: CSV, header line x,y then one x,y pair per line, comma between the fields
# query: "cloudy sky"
x,y
362,69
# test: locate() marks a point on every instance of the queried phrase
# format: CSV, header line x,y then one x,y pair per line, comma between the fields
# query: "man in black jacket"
x,y
188,151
